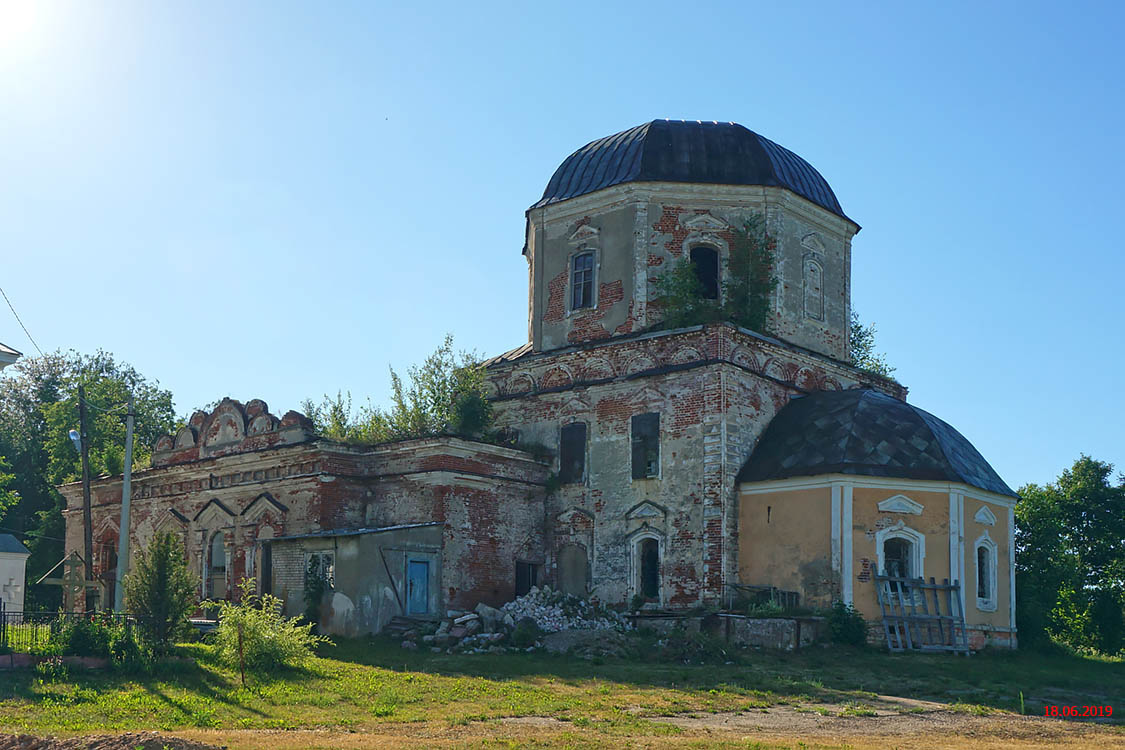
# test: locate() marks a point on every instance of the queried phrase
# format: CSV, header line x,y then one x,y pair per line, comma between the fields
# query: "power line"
x,y
17,316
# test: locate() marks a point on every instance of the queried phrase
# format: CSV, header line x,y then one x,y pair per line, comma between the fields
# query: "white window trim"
x,y
814,258
597,253
985,516
917,547
635,541
901,504
984,540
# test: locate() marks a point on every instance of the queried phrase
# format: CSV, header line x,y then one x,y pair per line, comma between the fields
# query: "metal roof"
x,y
866,433
352,532
720,153
10,544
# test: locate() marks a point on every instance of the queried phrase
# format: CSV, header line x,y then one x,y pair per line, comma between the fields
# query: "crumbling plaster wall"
x,y
715,387
638,230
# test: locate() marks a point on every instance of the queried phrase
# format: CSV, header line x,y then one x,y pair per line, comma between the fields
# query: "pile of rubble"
x,y
553,611
480,631
489,630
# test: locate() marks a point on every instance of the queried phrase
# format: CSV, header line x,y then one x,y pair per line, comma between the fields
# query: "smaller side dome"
x,y
866,433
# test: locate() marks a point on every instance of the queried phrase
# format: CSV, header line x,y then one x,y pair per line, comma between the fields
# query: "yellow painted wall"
x,y
867,519
785,541
998,534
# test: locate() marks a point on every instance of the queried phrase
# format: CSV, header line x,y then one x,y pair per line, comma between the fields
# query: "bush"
x,y
526,633
161,590
764,609
98,637
846,625
269,640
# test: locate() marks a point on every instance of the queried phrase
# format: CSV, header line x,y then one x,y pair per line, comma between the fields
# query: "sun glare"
x,y
19,25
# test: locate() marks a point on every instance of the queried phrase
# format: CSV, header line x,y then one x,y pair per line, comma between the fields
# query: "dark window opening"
x,y
650,569
527,575
984,574
896,558
646,446
582,281
705,260
265,572
572,453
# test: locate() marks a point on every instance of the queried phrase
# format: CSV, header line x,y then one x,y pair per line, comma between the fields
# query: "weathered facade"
x,y
645,497
236,482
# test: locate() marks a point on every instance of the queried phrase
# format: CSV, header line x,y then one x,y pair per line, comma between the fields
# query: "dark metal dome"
x,y
866,433
718,153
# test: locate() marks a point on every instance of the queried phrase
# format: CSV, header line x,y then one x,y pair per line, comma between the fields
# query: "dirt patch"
x,y
131,741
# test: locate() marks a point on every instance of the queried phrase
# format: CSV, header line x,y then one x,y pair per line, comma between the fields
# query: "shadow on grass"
x,y
992,678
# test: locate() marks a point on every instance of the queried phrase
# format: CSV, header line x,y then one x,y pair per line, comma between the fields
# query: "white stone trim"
x,y
635,539
985,516
834,515
901,485
597,272
846,528
1012,569
917,547
954,532
987,604
901,504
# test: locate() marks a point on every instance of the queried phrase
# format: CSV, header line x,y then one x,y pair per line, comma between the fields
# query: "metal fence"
x,y
26,632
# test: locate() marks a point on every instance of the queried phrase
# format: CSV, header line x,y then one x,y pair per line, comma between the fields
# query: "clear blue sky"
x,y
279,200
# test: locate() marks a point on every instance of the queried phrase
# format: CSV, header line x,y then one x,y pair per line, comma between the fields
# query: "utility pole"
x,y
88,523
123,530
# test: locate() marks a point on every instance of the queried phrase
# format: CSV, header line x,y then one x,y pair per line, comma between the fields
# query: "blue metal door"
x,y
417,587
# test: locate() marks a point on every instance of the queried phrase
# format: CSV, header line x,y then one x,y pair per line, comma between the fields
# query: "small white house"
x,y
8,355
13,561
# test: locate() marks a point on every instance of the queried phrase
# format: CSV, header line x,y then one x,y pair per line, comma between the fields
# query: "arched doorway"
x,y
648,569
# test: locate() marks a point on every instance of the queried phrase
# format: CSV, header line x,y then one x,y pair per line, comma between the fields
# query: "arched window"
x,y
901,551
814,289
897,557
582,281
217,566
986,573
648,568
705,260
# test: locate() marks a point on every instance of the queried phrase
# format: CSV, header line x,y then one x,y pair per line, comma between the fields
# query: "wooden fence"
x,y
908,621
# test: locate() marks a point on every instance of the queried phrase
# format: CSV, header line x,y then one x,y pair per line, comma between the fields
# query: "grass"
x,y
358,685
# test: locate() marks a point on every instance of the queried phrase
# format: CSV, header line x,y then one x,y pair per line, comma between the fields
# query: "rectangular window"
x,y
527,575
646,446
582,281
572,454
321,565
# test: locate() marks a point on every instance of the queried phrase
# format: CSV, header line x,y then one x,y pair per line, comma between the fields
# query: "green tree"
x,y
1070,561
862,349
445,394
747,289
160,590
38,408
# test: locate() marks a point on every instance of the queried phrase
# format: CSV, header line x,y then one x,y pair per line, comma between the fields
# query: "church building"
x,y
655,466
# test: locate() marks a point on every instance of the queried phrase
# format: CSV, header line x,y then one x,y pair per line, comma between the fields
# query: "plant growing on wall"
x,y
861,343
747,288
445,394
